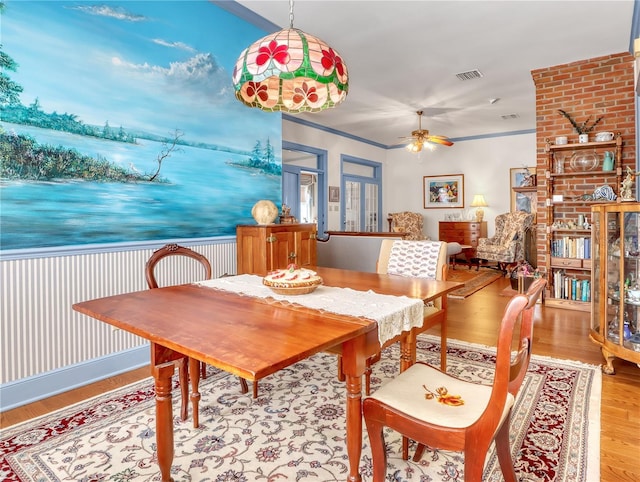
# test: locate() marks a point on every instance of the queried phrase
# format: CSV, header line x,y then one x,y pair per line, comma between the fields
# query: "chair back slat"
x,y
173,250
511,370
520,362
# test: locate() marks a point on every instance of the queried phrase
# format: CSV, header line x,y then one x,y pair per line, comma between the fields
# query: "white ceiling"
x,y
404,55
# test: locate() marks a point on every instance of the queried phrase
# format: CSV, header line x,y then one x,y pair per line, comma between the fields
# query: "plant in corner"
x,y
527,271
583,128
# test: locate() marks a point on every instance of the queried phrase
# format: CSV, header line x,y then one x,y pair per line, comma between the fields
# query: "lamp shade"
x,y
290,71
478,201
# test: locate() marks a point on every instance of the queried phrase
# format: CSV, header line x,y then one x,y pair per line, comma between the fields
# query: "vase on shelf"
x,y
607,162
558,158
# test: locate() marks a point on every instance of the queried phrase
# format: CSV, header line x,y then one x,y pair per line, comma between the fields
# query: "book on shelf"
x,y
570,287
570,247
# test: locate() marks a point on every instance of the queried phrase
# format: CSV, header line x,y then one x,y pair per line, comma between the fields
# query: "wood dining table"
x,y
252,338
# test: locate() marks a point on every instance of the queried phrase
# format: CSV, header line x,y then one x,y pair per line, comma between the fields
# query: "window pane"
x,y
356,169
371,207
352,206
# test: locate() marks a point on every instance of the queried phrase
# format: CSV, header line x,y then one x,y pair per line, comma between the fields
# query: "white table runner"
x,y
394,314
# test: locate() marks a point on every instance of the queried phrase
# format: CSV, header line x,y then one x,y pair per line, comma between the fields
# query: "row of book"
x,y
569,247
571,288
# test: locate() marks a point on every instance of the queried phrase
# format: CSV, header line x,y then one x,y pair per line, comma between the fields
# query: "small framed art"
x,y
334,194
523,189
446,191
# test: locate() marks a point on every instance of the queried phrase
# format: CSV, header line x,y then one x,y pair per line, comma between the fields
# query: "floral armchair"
x,y
507,245
409,223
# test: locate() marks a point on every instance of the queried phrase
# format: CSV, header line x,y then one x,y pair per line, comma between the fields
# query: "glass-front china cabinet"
x,y
615,314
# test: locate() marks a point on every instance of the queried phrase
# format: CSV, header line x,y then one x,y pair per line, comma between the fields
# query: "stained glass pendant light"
x,y
290,71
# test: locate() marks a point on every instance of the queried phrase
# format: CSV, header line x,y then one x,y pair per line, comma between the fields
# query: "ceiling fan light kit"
x,y
290,71
420,138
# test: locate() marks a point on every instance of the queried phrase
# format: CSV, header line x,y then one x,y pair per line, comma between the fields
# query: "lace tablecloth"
x,y
394,314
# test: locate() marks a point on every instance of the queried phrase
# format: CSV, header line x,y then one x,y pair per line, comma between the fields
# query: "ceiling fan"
x,y
421,136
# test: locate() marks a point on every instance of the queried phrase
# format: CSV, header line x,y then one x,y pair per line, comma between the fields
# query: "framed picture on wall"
x,y
523,189
446,191
334,194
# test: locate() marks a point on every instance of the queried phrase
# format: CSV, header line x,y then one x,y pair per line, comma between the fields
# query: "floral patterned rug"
x,y
295,430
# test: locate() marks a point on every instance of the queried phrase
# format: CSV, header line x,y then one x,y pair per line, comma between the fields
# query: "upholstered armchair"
x,y
507,244
409,223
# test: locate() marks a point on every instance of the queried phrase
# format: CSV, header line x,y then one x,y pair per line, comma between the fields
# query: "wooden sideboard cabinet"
x,y
463,232
264,248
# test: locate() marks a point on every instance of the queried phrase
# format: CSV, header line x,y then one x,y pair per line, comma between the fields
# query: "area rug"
x,y
509,292
473,280
295,430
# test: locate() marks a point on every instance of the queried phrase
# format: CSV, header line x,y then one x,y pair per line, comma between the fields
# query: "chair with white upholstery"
x,y
445,412
419,259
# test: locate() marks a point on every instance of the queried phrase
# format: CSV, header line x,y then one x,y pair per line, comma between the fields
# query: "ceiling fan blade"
x,y
440,140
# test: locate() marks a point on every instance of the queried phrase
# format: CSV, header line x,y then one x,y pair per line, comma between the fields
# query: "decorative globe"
x,y
264,212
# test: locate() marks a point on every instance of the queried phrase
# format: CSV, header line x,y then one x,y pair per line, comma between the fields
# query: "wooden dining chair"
x,y
419,259
183,363
445,412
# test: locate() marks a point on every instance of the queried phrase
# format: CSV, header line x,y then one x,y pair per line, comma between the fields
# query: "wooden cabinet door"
x,y
281,250
306,245
261,249
251,249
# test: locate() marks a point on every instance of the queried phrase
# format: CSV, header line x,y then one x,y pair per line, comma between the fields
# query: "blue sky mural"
x,y
147,88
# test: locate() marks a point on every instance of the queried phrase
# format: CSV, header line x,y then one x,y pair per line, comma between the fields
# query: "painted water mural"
x,y
118,123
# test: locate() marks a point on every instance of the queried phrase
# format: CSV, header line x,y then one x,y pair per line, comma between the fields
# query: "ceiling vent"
x,y
470,75
509,116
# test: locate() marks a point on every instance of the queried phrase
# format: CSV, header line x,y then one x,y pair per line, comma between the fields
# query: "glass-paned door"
x,y
304,183
362,184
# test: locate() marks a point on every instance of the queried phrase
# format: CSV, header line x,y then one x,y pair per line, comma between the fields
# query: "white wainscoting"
x,y
47,347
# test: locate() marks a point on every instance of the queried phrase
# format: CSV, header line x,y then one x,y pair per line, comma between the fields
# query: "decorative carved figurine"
x,y
626,192
528,178
286,217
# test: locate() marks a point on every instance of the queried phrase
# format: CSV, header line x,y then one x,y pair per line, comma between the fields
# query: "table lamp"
x,y
479,202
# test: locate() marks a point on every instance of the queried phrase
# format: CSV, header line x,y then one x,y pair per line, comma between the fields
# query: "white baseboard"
x,y
21,392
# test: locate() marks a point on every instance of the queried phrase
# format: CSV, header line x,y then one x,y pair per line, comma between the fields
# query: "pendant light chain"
x,y
290,13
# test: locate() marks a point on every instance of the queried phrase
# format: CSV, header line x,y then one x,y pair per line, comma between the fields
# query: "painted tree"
x,y
167,148
9,90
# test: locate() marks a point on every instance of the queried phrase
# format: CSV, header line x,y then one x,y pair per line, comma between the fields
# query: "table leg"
x,y
164,418
183,370
354,426
194,375
408,353
354,356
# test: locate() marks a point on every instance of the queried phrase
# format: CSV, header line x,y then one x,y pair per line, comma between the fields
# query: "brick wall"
x,y
603,86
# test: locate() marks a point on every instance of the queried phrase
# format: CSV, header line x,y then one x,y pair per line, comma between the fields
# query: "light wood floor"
x,y
558,333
